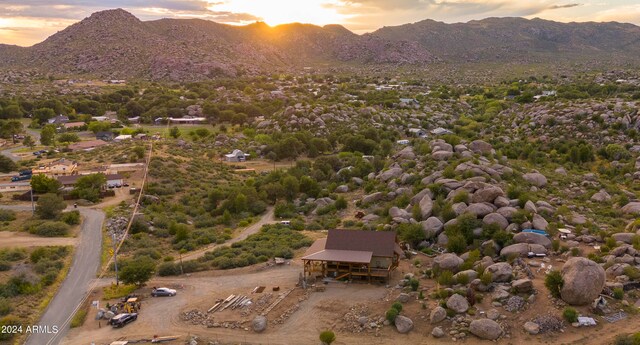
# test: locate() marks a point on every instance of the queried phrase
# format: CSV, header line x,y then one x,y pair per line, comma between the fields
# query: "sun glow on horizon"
x,y
276,12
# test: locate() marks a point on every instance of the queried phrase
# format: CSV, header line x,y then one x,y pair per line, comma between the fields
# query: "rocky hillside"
x,y
116,44
509,39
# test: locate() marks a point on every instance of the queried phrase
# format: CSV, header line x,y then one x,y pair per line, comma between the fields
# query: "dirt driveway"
x,y
21,239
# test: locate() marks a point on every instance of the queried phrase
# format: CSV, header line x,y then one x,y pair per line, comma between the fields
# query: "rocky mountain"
x,y
116,44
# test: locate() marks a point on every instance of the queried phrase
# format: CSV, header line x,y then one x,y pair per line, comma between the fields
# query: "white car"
x,y
157,292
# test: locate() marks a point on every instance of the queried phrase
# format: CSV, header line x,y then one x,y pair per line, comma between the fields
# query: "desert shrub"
x,y
626,339
48,253
327,337
570,314
554,282
486,278
8,320
14,254
575,251
414,283
457,244
555,244
397,306
462,196
79,318
7,215
391,315
445,278
5,307
4,266
50,229
462,279
618,293
168,269
632,272
71,218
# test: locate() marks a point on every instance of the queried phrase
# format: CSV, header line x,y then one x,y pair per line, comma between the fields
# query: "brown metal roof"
x,y
379,243
317,246
352,256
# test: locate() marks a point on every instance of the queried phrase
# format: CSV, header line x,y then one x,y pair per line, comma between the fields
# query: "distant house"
x,y
441,131
122,137
61,167
409,101
187,120
236,156
74,125
353,254
403,142
141,136
15,187
134,119
418,132
100,118
58,120
87,145
105,136
112,180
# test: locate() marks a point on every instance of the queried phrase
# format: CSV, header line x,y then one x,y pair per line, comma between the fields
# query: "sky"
x,y
26,22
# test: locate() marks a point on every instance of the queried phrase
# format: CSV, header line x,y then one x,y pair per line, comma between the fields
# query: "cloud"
x,y
555,7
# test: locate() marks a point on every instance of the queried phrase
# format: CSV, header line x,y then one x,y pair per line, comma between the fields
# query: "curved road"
x,y
86,262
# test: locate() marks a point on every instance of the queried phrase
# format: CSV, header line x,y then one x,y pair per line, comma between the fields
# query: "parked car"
x,y
159,292
121,320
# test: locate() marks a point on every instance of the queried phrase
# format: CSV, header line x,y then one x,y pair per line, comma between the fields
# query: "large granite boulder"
x,y
532,238
447,262
485,329
583,281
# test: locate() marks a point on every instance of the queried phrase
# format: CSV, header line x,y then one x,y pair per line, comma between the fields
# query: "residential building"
x,y
353,254
61,167
58,120
236,156
418,132
122,137
15,187
112,180
87,145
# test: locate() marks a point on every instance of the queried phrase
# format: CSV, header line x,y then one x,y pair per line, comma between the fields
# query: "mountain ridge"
x,y
116,44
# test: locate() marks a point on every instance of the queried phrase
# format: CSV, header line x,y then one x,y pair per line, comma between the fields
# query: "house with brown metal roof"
x,y
353,254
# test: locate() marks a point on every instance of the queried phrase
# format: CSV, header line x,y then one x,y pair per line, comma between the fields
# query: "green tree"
x,y
138,271
43,184
7,165
174,132
12,111
88,187
291,187
41,115
99,126
68,138
411,233
48,135
29,142
50,206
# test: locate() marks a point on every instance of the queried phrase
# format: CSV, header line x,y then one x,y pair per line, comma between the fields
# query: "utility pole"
x,y
115,255
33,206
181,269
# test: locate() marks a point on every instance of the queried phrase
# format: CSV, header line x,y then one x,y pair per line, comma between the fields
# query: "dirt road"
x,y
267,218
21,239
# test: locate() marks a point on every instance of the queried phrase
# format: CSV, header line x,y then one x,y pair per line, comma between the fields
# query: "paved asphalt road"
x,y
86,262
